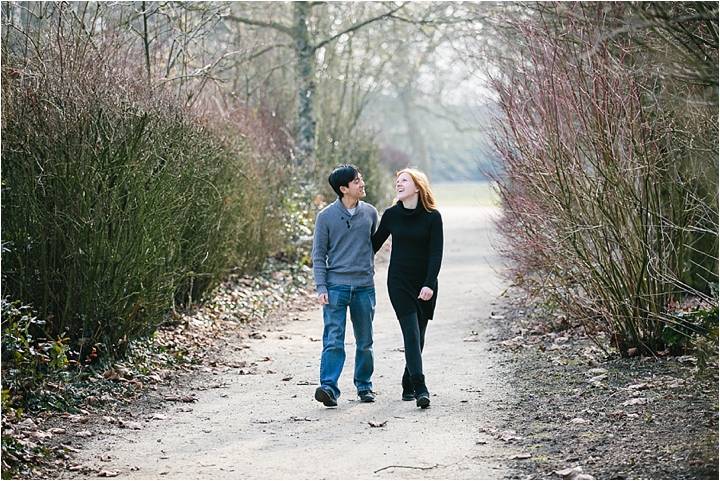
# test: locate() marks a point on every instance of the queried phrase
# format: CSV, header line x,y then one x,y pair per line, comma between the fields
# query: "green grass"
x,y
465,194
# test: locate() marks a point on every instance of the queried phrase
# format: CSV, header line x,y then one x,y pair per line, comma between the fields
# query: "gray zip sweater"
x,y
342,250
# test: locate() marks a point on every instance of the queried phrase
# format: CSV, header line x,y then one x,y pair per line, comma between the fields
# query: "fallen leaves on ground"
x,y
514,343
130,425
176,397
579,421
298,418
237,313
261,421
508,435
618,418
573,473
106,473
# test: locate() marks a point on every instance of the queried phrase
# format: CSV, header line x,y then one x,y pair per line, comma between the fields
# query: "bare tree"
x,y
427,65
306,42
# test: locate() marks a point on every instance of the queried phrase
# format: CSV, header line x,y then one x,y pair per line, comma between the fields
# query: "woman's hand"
x,y
426,294
323,299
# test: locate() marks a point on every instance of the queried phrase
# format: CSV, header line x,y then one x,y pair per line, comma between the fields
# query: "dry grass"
x,y
465,194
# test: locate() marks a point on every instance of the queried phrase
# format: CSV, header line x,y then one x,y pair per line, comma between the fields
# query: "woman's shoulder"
x,y
435,216
391,211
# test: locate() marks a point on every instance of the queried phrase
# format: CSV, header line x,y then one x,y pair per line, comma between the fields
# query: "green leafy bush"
x,y
40,373
26,353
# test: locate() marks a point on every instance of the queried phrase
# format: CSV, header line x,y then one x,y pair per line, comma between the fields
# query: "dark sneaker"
x,y
325,396
366,396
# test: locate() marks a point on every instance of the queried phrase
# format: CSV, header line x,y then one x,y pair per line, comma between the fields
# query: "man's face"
x,y
355,189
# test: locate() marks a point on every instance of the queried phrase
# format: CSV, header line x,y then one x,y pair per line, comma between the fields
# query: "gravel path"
x,y
516,394
258,420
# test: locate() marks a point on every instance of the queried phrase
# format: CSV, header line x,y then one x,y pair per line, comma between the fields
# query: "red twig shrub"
x,y
609,173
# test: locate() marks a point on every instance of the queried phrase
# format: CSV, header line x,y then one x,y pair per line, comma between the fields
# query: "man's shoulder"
x,y
326,210
323,218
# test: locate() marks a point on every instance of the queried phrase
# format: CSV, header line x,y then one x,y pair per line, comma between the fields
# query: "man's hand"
x,y
426,294
323,299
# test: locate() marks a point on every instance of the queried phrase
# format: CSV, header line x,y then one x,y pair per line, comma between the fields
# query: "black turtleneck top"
x,y
415,259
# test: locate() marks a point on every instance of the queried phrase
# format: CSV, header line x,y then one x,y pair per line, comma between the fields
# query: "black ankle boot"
x,y
408,393
421,391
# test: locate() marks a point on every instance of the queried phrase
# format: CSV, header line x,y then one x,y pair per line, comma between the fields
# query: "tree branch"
x,y
358,26
259,23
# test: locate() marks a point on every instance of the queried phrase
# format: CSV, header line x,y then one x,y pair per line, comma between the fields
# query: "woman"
x,y
417,245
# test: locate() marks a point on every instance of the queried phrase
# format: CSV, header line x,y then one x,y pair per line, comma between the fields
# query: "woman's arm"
x,y
436,251
382,233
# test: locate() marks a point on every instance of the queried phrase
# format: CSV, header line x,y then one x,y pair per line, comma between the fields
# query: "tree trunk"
x,y
305,52
146,43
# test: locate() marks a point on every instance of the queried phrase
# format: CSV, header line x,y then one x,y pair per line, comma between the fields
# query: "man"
x,y
344,266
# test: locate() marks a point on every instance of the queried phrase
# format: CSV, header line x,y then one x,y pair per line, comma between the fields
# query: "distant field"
x,y
464,194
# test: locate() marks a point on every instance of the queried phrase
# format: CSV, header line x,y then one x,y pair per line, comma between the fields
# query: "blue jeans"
x,y
361,301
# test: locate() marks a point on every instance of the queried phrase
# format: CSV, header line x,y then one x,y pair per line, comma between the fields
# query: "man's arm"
x,y
319,258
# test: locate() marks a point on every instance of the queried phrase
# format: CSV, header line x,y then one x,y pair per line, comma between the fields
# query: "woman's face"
x,y
405,187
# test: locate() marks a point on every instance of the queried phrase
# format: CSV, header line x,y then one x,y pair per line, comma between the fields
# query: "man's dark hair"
x,y
342,176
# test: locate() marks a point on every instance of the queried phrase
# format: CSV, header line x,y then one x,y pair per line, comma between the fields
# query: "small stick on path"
x,y
407,467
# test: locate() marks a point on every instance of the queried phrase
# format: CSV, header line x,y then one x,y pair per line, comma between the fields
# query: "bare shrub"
x,y
117,203
608,175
